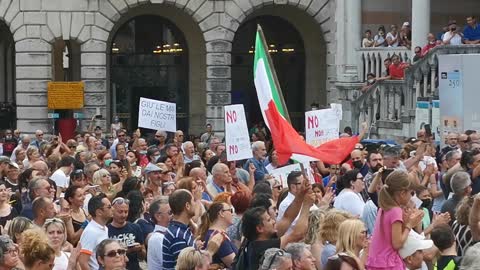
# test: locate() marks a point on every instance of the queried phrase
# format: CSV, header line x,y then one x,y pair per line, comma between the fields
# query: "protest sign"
x,y
337,107
237,140
157,115
282,173
321,126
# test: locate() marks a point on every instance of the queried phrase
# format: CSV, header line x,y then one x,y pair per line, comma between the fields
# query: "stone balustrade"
x,y
389,106
370,60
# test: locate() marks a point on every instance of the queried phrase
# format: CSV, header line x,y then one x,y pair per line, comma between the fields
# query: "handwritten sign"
x,y
321,126
237,141
282,173
65,95
157,115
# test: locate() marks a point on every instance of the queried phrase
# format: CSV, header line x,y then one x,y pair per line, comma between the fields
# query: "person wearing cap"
x,y
412,250
154,179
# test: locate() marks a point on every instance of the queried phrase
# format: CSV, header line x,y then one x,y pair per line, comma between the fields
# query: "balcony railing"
x,y
370,60
392,104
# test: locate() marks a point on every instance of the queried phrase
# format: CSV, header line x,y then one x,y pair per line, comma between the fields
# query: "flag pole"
x,y
274,73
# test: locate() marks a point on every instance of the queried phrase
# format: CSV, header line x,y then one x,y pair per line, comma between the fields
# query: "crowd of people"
x,y
163,202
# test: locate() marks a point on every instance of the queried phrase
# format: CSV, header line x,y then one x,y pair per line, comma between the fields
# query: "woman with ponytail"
x,y
216,220
392,224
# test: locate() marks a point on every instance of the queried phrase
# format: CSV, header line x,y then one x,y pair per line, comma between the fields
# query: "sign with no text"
x,y
65,95
157,115
321,126
237,141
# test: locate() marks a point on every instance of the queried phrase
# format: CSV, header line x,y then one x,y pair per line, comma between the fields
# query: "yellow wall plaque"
x,y
65,95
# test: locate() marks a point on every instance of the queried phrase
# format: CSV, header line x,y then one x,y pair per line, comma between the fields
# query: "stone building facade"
x,y
209,27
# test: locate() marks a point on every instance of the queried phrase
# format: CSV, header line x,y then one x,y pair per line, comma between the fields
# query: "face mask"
x,y
8,137
155,158
432,42
143,152
371,81
133,164
454,28
155,141
107,162
426,203
357,164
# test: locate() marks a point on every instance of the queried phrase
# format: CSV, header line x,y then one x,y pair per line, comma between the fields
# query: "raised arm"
x,y
300,229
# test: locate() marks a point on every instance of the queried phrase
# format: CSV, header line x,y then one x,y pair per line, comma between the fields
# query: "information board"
x,y
65,95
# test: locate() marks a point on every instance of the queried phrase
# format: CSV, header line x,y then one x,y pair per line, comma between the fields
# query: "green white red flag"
x,y
286,139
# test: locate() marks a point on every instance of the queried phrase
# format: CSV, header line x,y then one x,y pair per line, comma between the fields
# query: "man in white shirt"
x,y
96,231
452,37
294,181
161,215
62,175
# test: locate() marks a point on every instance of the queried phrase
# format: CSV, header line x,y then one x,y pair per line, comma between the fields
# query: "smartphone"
x,y
385,173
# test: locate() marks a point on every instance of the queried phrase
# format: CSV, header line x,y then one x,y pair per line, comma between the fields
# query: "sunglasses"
x,y
120,200
115,253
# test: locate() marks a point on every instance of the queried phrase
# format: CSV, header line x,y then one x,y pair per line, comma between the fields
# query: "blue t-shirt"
x,y
260,169
146,225
177,237
470,33
128,234
226,248
326,179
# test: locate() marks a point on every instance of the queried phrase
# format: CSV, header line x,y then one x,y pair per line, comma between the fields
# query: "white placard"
x,y
321,126
282,173
157,115
237,141
337,107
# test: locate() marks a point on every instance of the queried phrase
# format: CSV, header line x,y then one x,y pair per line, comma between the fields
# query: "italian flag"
x,y
287,141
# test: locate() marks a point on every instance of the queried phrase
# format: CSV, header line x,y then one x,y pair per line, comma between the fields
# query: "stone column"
x,y
219,84
353,33
33,71
420,22
3,58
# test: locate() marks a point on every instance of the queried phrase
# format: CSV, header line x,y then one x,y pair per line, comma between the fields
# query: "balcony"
x,y
389,106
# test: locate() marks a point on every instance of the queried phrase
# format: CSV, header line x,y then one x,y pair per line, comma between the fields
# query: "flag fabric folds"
x,y
286,139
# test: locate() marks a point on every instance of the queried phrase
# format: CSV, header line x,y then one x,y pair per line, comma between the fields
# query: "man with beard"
x,y
374,162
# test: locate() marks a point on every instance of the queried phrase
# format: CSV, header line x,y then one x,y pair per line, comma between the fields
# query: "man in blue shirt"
x,y
259,154
471,33
179,235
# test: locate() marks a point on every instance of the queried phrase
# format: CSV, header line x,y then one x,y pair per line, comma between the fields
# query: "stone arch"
x,y
7,77
186,18
313,22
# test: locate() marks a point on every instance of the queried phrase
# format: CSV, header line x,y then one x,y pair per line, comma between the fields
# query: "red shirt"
x,y
427,48
397,72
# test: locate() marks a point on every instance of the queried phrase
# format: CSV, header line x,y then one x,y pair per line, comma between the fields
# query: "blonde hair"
x,y
97,176
348,233
35,247
396,181
315,220
56,221
17,226
190,258
329,227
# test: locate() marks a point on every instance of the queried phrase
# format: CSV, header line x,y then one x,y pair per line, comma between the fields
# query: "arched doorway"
x,y
149,58
288,54
7,78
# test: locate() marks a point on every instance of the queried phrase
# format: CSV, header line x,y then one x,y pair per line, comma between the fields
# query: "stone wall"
x,y
36,24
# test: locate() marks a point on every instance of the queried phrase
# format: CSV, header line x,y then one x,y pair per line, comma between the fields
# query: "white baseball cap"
x,y
414,242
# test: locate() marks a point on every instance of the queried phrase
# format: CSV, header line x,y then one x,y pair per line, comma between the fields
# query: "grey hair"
x,y
269,255
256,145
450,154
5,244
217,168
470,258
296,250
161,132
391,152
459,181
155,205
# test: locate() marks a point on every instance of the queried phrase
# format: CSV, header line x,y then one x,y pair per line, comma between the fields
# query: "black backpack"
x,y
241,261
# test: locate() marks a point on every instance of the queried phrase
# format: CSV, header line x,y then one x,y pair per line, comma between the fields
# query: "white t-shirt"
x,y
350,201
390,35
456,40
155,248
60,178
283,208
93,234
380,40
